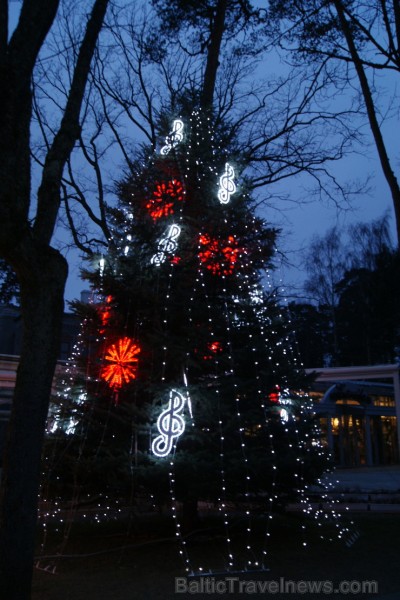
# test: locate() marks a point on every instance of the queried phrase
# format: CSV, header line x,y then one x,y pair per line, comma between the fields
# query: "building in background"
x,y
11,332
10,345
359,411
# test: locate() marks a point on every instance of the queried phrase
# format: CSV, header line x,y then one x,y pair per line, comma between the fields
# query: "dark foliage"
x,y
201,313
366,325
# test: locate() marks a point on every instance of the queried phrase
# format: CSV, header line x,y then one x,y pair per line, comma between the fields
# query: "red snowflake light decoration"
x,y
219,256
165,194
122,363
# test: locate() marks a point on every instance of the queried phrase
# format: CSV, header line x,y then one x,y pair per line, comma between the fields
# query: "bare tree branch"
x,y
64,141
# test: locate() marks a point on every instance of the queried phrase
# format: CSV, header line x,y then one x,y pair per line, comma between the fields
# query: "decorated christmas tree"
x,y
191,392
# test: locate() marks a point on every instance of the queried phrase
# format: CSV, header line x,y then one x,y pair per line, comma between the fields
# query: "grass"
x,y
139,560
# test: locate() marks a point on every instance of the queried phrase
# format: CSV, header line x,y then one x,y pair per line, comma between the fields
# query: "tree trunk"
x,y
42,281
373,121
213,53
41,271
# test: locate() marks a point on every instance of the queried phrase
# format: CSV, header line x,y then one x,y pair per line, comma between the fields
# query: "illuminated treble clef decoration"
x,y
174,137
170,424
167,245
227,185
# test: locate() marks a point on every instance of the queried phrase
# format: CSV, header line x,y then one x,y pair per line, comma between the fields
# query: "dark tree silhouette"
x,y
27,226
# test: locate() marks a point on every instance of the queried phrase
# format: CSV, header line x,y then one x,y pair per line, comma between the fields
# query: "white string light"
x,y
171,422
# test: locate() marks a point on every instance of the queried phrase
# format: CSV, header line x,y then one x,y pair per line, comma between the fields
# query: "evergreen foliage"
x,y
200,316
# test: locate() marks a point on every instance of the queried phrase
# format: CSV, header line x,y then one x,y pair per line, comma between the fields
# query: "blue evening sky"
x,y
300,221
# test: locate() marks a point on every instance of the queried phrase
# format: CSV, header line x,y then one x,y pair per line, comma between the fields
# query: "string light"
x,y
223,253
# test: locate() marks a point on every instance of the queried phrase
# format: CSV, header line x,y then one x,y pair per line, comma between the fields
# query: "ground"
x,y
139,559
